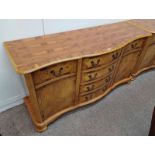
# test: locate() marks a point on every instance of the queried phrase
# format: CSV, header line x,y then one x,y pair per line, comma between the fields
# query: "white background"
x,y
82,9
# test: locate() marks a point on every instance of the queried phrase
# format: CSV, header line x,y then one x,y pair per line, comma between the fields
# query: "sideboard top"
x,y
28,55
146,24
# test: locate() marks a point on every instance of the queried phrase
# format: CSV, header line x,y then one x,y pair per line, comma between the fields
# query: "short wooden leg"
x,y
41,128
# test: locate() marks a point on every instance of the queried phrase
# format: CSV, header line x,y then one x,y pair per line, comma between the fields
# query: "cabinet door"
x,y
56,96
148,57
126,66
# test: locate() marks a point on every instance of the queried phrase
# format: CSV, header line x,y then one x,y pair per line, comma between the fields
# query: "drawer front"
x,y
93,62
148,57
134,46
91,76
86,98
95,85
54,71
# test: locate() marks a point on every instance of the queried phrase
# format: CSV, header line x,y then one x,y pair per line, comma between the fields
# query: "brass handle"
x,y
115,56
104,88
56,74
95,64
111,68
89,88
134,45
88,97
91,77
107,79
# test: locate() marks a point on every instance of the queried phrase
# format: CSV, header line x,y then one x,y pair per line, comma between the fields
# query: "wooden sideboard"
x,y
68,70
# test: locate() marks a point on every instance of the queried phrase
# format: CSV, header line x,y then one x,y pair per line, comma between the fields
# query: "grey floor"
x,y
126,111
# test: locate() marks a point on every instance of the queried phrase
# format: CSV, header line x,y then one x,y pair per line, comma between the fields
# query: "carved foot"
x,y
41,128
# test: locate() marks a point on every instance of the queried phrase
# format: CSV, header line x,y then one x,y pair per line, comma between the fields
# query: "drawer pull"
x,y
104,88
91,77
88,97
115,56
95,64
133,46
111,68
56,74
107,79
89,88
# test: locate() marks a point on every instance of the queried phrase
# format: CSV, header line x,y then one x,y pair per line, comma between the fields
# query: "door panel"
x,y
126,66
56,96
148,57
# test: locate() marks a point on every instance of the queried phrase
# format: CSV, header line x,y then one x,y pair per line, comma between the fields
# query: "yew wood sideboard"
x,y
68,70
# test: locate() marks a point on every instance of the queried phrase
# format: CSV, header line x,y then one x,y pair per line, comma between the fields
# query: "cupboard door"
x,y
148,57
56,96
126,66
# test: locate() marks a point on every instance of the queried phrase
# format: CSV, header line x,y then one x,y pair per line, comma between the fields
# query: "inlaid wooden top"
x,y
146,24
31,54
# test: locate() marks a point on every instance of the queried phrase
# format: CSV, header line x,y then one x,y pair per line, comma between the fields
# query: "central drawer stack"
x,y
97,73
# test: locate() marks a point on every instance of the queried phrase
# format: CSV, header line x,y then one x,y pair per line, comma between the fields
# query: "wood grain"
x,y
31,54
145,24
71,69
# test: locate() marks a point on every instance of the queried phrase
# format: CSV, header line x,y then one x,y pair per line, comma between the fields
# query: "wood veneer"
x,y
68,70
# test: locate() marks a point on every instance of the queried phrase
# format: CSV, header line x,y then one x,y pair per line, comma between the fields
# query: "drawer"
x,y
134,46
54,71
94,62
86,98
90,87
101,73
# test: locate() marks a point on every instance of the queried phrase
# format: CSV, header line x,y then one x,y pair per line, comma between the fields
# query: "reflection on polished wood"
x,y
68,70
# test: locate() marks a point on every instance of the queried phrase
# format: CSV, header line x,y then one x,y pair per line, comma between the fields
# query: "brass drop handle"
x,y
134,45
115,56
95,64
111,68
56,74
104,88
91,77
107,79
88,97
89,88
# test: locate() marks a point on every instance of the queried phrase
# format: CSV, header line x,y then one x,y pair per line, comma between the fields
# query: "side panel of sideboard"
x,y
148,56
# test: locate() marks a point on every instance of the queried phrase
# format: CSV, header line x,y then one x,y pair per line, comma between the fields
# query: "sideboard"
x,y
68,70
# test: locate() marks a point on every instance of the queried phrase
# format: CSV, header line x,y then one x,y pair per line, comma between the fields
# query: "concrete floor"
x,y
126,111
